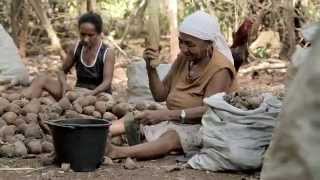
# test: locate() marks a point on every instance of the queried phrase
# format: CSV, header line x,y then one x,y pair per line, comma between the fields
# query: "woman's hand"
x,y
150,55
148,117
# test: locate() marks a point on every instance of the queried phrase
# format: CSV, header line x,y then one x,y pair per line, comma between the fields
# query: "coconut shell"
x,y
34,146
254,102
20,149
4,101
14,108
31,118
7,131
71,114
32,107
53,116
55,108
72,95
121,109
2,123
21,103
14,96
140,106
43,116
65,103
86,100
88,110
101,106
33,131
77,107
110,105
97,114
47,147
109,116
154,106
84,116
9,117
10,139
20,137
104,97
21,128
7,150
19,120
46,100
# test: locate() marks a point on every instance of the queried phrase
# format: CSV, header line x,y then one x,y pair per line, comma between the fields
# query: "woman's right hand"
x,y
150,55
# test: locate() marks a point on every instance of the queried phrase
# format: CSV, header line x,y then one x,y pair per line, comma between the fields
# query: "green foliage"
x,y
261,52
114,8
312,11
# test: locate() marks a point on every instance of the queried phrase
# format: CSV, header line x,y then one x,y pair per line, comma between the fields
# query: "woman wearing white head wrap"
x,y
203,26
203,67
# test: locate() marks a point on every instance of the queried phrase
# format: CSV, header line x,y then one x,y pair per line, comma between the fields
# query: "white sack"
x,y
12,70
234,139
138,82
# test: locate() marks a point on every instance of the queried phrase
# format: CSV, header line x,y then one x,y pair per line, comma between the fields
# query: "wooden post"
x,y
153,28
91,5
41,14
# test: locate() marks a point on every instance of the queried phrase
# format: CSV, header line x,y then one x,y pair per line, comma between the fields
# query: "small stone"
x,y
20,149
130,164
107,161
65,166
47,159
172,168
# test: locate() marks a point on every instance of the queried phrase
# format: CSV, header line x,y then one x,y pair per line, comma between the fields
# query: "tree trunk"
x,y
153,28
91,5
290,39
82,6
173,20
15,10
140,7
41,14
23,35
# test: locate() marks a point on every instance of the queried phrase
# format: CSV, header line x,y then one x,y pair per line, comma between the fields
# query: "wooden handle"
x,y
153,29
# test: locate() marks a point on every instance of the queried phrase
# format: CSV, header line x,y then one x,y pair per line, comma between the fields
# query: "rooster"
x,y
239,47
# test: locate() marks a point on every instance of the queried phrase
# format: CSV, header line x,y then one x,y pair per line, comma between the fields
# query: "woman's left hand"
x,y
149,117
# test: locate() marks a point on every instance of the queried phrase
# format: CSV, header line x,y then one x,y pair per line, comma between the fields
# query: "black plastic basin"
x,y
80,142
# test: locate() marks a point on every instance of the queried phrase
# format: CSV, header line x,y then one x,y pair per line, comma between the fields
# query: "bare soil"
x,y
155,169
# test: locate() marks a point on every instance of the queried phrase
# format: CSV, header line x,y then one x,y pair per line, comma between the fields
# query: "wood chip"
x,y
107,161
130,164
65,166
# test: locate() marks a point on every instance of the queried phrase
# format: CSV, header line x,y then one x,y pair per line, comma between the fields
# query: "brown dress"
x,y
187,94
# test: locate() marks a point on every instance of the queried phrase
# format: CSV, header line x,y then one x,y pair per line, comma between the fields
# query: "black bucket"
x,y
80,142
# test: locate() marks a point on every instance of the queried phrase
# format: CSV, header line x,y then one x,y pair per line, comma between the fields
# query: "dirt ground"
x,y
263,81
155,169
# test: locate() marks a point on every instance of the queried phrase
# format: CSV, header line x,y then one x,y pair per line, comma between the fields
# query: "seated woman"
x,y
93,60
203,67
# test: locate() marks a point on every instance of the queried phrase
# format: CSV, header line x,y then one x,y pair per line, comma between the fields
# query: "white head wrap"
x,y
206,27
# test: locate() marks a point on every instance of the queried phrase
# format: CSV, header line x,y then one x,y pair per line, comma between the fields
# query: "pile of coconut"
x,y
22,128
247,100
